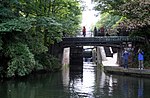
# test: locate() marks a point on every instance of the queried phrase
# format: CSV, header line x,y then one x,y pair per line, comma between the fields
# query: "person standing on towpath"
x,y
140,58
125,58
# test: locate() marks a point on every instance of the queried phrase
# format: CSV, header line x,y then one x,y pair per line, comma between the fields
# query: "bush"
x,y
49,62
22,60
1,42
147,64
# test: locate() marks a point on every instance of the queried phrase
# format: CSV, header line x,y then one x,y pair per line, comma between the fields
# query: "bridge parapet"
x,y
101,40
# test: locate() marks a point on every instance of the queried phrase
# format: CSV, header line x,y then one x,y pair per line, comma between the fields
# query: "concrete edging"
x,y
129,71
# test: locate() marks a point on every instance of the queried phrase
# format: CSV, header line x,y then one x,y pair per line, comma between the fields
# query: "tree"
x,y
107,20
136,12
109,6
28,28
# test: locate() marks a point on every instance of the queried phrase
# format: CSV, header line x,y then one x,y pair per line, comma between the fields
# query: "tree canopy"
x,y
136,13
29,27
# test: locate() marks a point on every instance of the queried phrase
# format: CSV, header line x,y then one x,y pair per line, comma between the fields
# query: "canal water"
x,y
92,82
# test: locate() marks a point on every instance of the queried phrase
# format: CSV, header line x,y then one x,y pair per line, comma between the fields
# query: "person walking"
x,y
84,31
140,58
95,31
125,58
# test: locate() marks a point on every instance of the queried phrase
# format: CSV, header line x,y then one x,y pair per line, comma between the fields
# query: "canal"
x,y
92,82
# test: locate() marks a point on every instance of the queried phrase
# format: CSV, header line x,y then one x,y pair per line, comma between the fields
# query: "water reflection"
x,y
65,75
92,82
36,86
140,88
97,84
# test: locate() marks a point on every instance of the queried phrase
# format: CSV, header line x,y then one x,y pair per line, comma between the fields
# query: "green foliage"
x,y
147,52
108,20
36,44
50,28
110,6
29,27
6,12
60,15
34,40
1,42
19,24
146,64
136,12
22,60
48,61
46,22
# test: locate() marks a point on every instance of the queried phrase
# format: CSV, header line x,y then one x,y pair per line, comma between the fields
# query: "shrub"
x,y
49,62
22,60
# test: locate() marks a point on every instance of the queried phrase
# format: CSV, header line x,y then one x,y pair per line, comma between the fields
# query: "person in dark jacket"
x,y
95,31
125,58
84,31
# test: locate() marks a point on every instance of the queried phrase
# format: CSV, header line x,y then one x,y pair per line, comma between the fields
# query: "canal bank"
x,y
130,71
110,66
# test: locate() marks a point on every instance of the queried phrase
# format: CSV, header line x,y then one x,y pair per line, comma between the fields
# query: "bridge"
x,y
76,53
113,41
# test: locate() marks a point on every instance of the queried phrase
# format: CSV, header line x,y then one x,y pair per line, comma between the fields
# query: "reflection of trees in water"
x,y
75,77
51,86
131,87
99,82
123,87
36,86
105,85
140,88
128,87
111,86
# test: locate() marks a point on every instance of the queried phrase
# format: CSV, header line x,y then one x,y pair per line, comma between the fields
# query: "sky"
x,y
89,16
